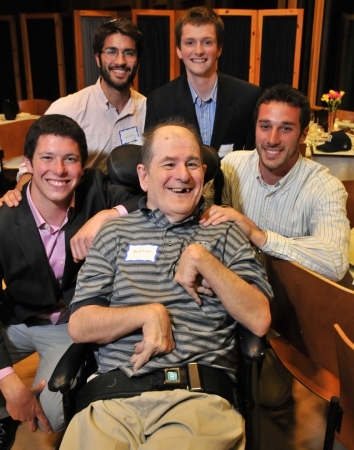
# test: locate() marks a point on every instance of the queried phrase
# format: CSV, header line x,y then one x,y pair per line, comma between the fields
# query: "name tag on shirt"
x,y
142,253
130,135
225,149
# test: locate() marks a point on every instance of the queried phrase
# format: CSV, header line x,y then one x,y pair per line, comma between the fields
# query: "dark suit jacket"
x,y
236,100
30,285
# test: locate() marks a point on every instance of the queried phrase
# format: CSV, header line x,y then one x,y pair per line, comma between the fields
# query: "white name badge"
x,y
129,135
225,149
142,253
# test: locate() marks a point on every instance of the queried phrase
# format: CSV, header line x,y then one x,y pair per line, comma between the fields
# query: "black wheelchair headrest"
x,y
123,160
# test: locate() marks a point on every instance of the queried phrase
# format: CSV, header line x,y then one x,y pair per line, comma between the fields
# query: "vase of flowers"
x,y
333,100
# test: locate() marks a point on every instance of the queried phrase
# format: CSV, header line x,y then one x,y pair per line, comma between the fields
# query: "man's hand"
x,y
11,198
22,403
187,274
219,214
158,337
81,242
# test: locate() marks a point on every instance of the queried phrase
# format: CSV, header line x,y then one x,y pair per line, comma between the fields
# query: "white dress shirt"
x,y
104,128
304,213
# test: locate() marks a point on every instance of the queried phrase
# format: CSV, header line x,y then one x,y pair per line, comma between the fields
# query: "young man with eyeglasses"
x,y
110,112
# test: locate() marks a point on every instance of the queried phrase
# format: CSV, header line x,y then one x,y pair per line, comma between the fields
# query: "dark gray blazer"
x,y
236,100
30,285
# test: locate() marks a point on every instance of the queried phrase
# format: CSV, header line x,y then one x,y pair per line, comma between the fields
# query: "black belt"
x,y
193,376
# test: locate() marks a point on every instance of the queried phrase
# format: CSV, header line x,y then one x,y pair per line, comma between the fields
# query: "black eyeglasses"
x,y
112,53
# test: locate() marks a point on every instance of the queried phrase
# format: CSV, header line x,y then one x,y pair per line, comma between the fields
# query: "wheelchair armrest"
x,y
68,367
252,347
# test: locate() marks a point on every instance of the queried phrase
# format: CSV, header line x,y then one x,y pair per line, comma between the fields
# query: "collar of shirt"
x,y
205,112
40,221
128,110
161,221
212,96
53,239
287,180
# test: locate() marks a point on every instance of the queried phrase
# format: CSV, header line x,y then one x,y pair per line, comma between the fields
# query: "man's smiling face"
x,y
56,170
199,50
278,133
118,74
174,179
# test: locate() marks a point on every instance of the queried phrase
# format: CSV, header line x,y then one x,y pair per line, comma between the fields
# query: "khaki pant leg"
x,y
157,420
106,425
194,422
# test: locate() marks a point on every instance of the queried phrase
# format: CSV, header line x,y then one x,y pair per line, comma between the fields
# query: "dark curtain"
x,y
69,54
7,75
43,56
154,69
336,66
326,75
278,50
346,75
88,28
305,62
235,57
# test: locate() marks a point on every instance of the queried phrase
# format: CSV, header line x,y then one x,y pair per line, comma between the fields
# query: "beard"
x,y
118,85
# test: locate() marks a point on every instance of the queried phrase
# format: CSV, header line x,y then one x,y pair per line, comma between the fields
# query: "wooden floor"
x,y
298,425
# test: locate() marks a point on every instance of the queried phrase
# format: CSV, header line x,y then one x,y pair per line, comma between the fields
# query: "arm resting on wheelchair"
x,y
68,367
251,347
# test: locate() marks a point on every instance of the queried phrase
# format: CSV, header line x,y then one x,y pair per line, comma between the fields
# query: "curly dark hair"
x,y
123,26
284,93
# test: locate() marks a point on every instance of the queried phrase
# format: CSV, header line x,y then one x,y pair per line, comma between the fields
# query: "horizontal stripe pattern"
x,y
205,333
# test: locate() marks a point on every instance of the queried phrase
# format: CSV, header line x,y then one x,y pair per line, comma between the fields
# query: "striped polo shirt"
x,y
133,261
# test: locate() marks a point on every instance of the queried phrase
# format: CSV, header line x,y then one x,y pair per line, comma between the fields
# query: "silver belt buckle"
x,y
193,376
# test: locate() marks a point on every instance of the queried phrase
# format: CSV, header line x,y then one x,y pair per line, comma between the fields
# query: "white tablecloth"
x,y
20,116
13,163
339,165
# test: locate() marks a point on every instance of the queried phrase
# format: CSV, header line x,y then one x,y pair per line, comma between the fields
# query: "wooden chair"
x,y
304,310
345,115
345,359
302,149
12,137
34,106
349,187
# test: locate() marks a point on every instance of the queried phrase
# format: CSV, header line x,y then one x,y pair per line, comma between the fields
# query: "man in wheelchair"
x,y
160,295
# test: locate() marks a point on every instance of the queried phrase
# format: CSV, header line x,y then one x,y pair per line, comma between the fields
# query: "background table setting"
x,y
340,163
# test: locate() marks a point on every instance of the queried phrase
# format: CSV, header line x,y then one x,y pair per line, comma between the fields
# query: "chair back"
x,y
12,137
345,115
302,149
345,358
35,106
349,187
123,160
305,308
